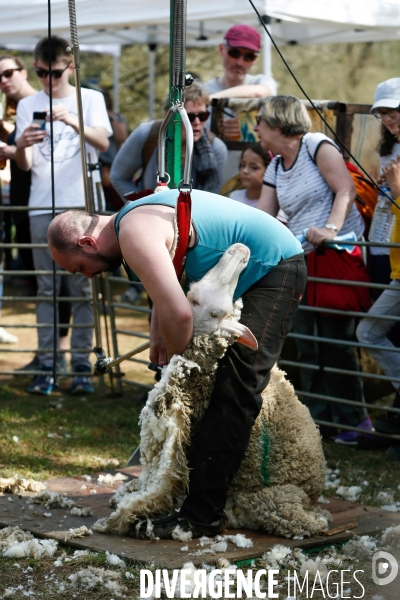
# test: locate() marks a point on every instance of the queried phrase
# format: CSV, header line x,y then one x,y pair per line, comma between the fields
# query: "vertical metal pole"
x,y
88,189
177,68
152,78
116,60
152,45
267,46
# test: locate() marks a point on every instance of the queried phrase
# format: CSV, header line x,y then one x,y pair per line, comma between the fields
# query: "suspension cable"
x,y
374,183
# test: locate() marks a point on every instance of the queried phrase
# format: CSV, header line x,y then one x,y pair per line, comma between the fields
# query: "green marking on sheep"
x,y
265,447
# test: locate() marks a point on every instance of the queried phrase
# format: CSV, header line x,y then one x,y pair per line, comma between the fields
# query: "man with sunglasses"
x,y
36,150
140,151
239,52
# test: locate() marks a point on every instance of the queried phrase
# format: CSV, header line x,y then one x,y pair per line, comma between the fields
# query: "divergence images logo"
x,y
384,568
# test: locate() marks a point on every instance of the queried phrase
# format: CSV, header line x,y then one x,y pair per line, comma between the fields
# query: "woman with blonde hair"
x,y
308,179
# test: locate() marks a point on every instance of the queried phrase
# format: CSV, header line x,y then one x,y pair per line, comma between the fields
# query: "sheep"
x,y
284,468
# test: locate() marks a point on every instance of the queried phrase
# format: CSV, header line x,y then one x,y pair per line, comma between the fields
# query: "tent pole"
x,y
116,60
267,45
152,78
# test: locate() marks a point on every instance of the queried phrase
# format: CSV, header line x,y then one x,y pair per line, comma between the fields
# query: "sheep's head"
x,y
211,298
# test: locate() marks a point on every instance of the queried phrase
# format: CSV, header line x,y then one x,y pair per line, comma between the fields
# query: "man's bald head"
x,y
66,229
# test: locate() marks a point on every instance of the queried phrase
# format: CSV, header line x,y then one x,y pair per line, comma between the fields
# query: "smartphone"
x,y
39,118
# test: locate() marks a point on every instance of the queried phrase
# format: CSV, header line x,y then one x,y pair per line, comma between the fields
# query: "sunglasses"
x,y
202,116
56,73
389,114
259,118
247,56
9,73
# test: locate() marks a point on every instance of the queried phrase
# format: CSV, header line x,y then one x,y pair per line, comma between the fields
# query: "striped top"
x,y
303,193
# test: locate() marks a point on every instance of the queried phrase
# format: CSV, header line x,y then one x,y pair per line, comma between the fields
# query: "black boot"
x,y
170,527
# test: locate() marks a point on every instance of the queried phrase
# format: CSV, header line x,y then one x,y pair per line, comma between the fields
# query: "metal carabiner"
x,y
178,107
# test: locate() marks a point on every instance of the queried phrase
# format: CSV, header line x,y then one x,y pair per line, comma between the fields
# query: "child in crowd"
x,y
253,162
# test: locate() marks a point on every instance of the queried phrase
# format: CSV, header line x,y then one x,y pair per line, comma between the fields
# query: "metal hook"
x,y
178,107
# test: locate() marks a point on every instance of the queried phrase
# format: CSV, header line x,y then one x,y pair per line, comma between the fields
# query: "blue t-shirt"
x,y
220,222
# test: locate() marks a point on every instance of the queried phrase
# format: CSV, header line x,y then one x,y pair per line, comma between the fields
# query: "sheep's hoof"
x,y
175,527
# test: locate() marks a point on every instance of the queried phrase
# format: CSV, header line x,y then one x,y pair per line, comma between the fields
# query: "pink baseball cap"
x,y
243,36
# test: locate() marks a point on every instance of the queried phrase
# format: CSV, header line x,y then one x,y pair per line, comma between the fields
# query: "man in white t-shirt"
x,y
239,51
34,152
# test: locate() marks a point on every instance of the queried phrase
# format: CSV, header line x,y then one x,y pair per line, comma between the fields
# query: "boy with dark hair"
x,y
34,152
52,50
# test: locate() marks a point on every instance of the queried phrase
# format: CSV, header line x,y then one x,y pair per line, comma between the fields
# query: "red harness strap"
x,y
183,217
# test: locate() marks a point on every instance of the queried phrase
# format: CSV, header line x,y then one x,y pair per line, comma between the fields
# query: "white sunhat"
x,y
387,94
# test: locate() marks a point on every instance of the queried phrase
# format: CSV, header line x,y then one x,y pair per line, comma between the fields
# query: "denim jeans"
x,y
82,311
268,310
375,331
339,356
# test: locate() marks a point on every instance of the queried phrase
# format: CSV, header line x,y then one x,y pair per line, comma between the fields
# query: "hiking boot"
x,y
171,527
42,384
81,383
352,438
6,337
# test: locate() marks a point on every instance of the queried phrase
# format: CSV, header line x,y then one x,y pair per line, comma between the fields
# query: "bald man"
x,y
271,286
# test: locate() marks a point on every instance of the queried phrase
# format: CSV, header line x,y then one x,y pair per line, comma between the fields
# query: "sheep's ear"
x,y
242,333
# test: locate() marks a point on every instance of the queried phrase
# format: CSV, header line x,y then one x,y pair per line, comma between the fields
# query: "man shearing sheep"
x,y
141,235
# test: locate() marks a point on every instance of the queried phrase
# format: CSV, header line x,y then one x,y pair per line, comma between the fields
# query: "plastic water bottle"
x,y
383,219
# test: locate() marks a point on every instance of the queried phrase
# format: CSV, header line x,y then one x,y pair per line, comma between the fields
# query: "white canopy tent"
x,y
127,21
121,22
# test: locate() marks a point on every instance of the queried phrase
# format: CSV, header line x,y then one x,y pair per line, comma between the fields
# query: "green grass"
x,y
87,428
358,465
44,579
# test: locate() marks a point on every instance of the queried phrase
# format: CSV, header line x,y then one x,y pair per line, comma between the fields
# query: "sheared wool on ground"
x,y
93,578
53,500
17,484
84,511
78,532
16,543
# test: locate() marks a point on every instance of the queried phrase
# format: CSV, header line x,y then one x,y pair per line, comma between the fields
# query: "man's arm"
x,y
95,136
244,91
158,351
129,160
143,240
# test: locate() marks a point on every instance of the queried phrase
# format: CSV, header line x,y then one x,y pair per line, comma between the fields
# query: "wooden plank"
x,y
167,553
